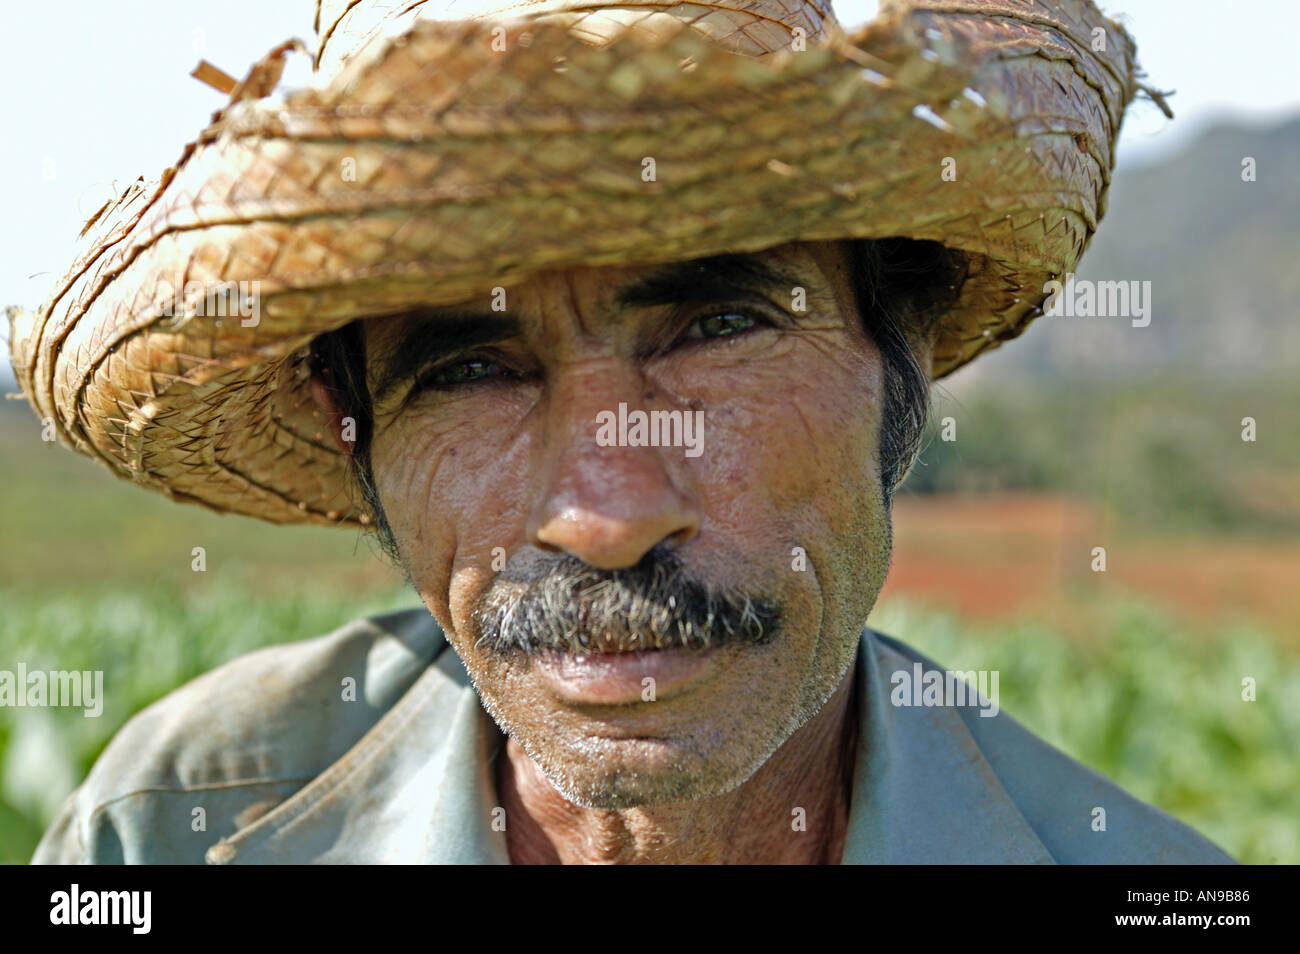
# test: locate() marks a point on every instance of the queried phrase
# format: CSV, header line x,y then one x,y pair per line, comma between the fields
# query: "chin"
x,y
617,774
596,771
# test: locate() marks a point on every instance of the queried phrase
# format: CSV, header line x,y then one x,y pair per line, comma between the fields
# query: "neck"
x,y
757,823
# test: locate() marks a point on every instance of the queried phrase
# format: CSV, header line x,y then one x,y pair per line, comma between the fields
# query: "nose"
x,y
614,542
607,506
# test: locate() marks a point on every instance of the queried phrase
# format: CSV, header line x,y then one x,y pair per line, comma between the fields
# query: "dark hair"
x,y
902,288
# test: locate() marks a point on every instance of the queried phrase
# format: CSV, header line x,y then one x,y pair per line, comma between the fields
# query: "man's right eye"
x,y
464,371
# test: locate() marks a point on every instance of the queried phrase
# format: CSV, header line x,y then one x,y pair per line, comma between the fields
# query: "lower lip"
x,y
619,678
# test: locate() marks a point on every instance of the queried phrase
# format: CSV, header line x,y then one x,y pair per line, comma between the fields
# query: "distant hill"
x,y
1223,257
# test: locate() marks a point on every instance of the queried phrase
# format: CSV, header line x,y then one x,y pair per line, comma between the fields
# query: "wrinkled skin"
x,y
714,771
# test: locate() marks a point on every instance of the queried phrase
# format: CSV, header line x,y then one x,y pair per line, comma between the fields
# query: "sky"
x,y
94,94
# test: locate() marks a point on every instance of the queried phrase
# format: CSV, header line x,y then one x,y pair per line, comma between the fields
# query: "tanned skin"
x,y
497,450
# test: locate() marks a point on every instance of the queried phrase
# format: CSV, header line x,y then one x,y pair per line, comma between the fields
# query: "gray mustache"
x,y
561,603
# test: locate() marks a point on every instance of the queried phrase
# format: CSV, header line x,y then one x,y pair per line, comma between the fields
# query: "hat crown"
x,y
751,27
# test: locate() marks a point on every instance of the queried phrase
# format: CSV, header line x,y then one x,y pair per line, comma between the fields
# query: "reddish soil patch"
x,y
992,557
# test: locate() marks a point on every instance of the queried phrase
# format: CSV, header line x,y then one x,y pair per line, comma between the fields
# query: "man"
x,y
620,328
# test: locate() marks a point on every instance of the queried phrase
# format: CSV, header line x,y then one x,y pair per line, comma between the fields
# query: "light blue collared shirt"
x,y
263,761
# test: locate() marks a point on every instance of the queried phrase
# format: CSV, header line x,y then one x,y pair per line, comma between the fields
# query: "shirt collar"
x,y
923,792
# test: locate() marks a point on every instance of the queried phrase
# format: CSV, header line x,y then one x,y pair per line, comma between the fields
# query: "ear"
x,y
323,396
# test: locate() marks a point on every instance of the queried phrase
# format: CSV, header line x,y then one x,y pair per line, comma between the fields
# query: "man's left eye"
x,y
721,324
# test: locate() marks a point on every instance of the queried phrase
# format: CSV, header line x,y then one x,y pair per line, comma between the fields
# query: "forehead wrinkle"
x,y
563,314
552,317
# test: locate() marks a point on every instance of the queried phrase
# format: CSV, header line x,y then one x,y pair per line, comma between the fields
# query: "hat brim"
x,y
432,169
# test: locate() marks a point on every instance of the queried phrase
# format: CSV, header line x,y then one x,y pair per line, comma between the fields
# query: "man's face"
x,y
489,455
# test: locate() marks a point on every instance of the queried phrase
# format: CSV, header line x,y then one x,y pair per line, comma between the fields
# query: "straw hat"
x,y
446,148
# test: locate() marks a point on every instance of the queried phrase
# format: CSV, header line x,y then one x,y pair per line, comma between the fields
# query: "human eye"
x,y
722,323
457,372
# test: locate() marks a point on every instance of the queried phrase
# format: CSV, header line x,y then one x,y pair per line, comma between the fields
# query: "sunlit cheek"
x,y
795,415
452,482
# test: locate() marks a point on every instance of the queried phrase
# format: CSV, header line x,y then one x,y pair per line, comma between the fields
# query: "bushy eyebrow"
x,y
706,280
436,333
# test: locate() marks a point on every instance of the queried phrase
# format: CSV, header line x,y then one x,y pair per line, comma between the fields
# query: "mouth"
x,y
633,677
